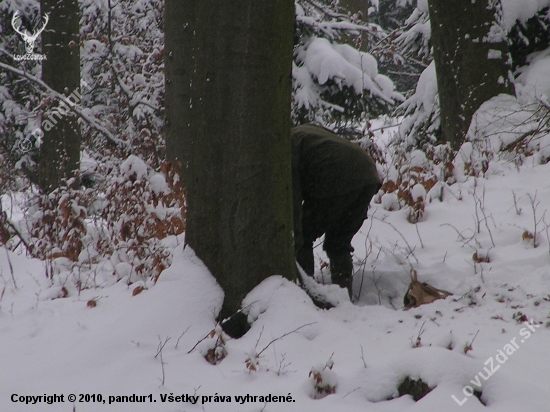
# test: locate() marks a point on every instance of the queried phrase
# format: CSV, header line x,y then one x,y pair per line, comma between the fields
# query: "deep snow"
x,y
63,346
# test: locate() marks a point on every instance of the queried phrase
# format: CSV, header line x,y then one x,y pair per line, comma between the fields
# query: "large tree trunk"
x,y
228,84
60,149
471,60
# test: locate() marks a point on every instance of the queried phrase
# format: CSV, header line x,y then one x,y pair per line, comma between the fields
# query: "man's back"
x,y
327,165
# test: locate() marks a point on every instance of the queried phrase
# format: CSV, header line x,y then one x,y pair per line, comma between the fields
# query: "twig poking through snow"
x,y
411,250
418,233
11,269
283,335
418,342
518,210
468,347
183,333
363,357
259,337
159,352
208,335
161,346
534,206
480,203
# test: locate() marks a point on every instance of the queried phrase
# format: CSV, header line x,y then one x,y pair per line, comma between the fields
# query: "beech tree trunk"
x,y
60,148
228,85
471,60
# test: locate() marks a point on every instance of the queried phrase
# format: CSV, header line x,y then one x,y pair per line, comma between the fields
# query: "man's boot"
x,y
341,270
304,257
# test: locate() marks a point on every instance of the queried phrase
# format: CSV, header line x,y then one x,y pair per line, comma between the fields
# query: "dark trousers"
x,y
339,218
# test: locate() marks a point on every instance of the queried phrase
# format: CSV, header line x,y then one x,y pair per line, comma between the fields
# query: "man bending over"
x,y
333,183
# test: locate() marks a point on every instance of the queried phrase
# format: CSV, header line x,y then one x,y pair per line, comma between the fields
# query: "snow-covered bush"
x,y
509,128
413,179
141,208
336,83
123,64
529,35
421,123
212,346
413,37
122,214
57,224
323,380
123,219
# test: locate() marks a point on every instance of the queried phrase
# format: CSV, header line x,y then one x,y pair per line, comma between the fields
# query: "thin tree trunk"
x,y
60,149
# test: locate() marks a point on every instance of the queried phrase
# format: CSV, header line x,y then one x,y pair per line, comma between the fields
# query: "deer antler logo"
x,y
28,38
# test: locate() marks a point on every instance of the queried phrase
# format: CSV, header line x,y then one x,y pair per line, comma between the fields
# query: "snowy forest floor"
x,y
106,341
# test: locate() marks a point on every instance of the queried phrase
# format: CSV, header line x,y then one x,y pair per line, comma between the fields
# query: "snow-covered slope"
x,y
64,346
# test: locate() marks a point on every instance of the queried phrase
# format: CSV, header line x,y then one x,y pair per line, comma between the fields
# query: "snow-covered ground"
x,y
111,347
65,345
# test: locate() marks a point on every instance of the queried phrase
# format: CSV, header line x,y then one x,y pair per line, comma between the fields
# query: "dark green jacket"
x,y
325,165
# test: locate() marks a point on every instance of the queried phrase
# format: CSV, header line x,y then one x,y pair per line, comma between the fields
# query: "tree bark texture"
x,y
60,148
471,59
228,85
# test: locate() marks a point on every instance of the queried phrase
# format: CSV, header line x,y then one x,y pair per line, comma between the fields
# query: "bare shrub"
x,y
57,224
141,209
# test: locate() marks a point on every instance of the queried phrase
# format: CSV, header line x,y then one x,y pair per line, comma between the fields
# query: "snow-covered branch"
x,y
92,122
